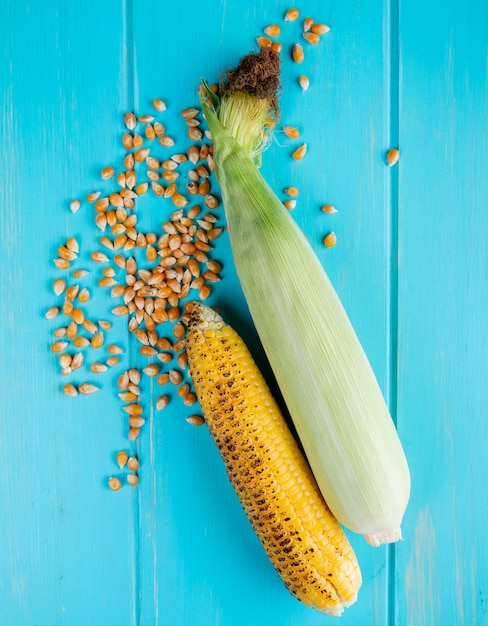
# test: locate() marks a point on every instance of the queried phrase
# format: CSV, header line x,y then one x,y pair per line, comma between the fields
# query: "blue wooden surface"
x,y
410,265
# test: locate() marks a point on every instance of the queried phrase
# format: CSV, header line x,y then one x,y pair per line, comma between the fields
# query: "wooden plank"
x,y
200,561
66,541
442,574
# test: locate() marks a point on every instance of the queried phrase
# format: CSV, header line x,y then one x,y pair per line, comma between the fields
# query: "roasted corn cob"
x,y
275,485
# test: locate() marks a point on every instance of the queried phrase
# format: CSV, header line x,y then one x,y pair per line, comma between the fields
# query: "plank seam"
x,y
393,27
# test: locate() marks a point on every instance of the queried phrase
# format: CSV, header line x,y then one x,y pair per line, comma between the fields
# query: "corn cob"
x,y
275,485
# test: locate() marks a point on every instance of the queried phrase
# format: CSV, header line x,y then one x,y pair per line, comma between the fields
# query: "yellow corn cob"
x,y
274,483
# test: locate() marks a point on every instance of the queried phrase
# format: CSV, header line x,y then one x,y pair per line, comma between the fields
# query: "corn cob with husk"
x,y
324,375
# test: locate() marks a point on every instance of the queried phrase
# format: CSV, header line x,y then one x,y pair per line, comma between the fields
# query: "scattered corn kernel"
x,y
297,53
291,131
330,240
320,29
300,152
393,156
273,30
122,458
312,38
328,209
114,483
291,15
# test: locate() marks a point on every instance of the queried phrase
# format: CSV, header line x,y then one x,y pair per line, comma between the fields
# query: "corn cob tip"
x,y
205,317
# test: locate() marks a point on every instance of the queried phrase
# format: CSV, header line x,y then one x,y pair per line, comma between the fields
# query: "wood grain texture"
x,y
410,266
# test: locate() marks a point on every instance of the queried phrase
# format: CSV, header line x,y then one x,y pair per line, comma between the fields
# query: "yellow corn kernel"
x,y
297,53
291,15
273,30
275,485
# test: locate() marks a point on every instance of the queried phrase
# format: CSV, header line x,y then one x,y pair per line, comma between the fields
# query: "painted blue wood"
x,y
410,266
443,313
67,545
